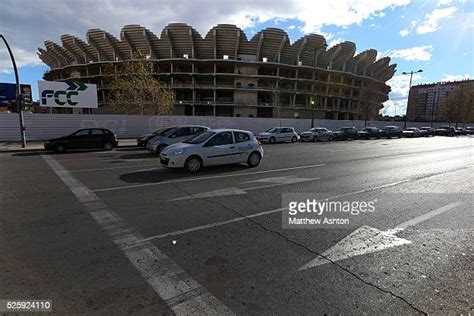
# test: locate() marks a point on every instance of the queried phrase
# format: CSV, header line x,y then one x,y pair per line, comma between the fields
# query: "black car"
x,y
143,139
460,131
427,131
87,138
469,130
345,133
446,131
370,132
391,131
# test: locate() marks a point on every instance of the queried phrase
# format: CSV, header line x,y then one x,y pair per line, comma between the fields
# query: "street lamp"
x,y
18,94
409,87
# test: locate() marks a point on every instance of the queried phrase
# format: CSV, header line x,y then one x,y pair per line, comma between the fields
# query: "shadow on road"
x,y
160,175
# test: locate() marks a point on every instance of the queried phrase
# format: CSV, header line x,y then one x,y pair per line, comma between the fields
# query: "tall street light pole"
x,y
409,88
18,94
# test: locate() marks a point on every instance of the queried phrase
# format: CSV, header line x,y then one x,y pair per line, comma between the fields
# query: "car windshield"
x,y
162,131
200,138
169,131
346,129
272,130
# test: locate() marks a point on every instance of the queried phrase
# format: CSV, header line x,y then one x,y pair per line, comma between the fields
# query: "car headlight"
x,y
178,152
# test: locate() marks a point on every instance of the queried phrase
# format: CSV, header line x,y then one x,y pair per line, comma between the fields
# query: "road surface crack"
x,y
401,298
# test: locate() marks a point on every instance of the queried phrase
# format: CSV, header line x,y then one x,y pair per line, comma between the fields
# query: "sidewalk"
x,y
12,147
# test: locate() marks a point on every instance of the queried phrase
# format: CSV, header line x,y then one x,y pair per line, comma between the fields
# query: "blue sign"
x,y
8,93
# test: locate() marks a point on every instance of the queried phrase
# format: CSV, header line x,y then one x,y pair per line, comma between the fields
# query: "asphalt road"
x,y
115,233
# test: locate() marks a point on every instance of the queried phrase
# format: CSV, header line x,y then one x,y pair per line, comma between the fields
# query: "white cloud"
x,y
22,59
335,41
394,107
419,53
432,20
404,32
398,97
444,2
29,23
291,27
448,77
400,84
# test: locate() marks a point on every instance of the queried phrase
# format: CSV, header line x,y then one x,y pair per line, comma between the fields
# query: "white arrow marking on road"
x,y
277,181
367,239
223,192
282,180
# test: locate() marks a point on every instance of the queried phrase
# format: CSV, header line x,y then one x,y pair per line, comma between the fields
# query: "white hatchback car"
x,y
213,147
278,135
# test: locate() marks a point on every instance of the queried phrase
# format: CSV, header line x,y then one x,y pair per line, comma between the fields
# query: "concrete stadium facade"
x,y
225,74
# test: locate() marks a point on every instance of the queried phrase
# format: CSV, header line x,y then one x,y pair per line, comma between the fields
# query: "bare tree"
x,y
458,106
133,88
276,98
370,102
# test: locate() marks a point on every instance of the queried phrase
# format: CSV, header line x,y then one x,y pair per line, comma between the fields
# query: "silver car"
x,y
173,135
278,135
316,134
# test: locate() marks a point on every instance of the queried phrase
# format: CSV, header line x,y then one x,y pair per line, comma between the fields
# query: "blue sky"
x,y
435,36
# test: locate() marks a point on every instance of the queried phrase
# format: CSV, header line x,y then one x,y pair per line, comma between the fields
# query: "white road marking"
x,y
424,217
237,219
180,292
236,191
282,180
361,241
192,229
211,194
206,178
366,239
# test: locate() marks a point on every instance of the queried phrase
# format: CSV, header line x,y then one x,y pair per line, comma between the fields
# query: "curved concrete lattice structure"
x,y
226,74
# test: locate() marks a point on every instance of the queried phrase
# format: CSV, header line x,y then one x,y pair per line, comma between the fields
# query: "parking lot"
x,y
111,232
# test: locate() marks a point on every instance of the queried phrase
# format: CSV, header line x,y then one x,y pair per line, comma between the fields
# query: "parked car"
x,y
87,138
446,130
469,130
370,132
317,134
345,133
278,135
427,131
411,132
173,135
213,147
460,131
143,139
391,131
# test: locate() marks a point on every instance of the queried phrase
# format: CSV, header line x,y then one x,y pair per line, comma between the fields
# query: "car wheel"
x,y
108,146
331,138
315,139
254,159
193,164
159,149
272,140
294,139
59,148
